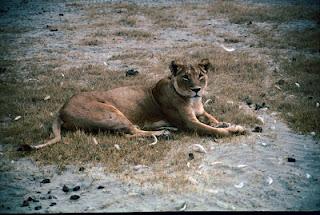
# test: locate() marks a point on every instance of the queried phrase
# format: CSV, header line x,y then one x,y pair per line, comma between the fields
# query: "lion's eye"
x,y
185,77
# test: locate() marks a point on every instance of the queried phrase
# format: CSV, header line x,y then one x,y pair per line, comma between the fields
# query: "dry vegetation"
x,y
236,77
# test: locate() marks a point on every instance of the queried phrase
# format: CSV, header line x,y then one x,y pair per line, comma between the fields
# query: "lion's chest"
x,y
196,105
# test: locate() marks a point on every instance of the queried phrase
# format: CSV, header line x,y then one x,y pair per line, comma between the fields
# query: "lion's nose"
x,y
196,89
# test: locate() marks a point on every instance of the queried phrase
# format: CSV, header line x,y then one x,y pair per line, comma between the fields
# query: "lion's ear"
x,y
174,67
205,65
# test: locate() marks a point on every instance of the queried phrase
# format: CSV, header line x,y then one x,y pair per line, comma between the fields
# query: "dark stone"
x,y
294,59
258,106
100,187
45,181
81,169
291,159
35,200
38,207
60,14
25,203
191,156
280,82
249,23
52,197
76,188
38,192
49,192
53,204
3,69
74,197
131,72
257,129
24,148
65,189
42,198
53,29
29,199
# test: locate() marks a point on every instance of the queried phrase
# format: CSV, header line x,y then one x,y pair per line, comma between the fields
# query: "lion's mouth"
x,y
196,96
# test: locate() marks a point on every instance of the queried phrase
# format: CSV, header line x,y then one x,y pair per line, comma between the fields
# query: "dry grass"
x,y
240,13
134,34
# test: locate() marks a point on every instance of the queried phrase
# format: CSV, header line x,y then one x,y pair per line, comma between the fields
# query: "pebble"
x,y
239,186
65,188
260,119
81,169
76,188
257,129
52,204
291,159
25,203
38,207
191,156
60,14
17,118
45,181
100,187
74,197
131,72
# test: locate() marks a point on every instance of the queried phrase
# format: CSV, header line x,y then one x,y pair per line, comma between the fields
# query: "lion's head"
x,y
190,80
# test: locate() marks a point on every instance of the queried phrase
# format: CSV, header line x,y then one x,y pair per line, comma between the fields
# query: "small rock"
x,y
49,192
29,199
53,204
24,148
35,200
81,169
248,100
52,197
42,198
45,181
257,129
100,187
249,23
25,203
76,188
317,104
297,84
239,186
117,147
191,156
281,82
60,14
47,98
260,119
131,72
38,207
258,106
291,159
17,118
74,197
313,133
65,189
183,206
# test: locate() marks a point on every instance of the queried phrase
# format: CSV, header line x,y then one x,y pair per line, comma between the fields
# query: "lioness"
x,y
173,101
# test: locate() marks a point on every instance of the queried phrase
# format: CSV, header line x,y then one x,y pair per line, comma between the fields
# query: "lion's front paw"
x,y
237,129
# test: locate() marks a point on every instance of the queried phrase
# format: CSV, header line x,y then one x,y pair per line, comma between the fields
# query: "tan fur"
x,y
173,101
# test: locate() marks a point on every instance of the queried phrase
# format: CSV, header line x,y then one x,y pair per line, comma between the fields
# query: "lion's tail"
x,y
56,128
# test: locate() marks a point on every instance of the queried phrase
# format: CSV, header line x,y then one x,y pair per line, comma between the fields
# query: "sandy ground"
x,y
245,173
